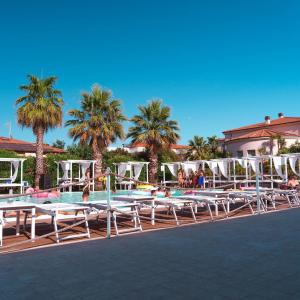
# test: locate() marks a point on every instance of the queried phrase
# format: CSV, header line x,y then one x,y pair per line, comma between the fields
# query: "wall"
x,y
245,145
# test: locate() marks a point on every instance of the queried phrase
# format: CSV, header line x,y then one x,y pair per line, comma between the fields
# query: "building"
x,y
262,137
141,147
25,148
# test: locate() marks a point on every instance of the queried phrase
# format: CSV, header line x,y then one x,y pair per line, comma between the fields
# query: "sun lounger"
x,y
250,199
16,206
118,208
64,212
207,201
291,196
145,200
212,193
174,204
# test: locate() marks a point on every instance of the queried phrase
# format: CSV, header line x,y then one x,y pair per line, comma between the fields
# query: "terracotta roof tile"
x,y
262,133
25,147
279,121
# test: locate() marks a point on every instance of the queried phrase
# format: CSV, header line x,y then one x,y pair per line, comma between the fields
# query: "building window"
x,y
251,152
239,154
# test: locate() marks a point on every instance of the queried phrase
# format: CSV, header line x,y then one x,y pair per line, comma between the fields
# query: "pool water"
x,y
72,197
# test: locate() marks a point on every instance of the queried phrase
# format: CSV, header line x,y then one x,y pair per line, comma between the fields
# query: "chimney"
x,y
267,120
280,115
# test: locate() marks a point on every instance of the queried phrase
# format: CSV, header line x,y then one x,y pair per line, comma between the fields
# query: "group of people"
x,y
191,180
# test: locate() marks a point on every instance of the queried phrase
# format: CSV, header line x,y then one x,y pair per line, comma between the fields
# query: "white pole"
x,y
57,174
22,185
116,176
147,173
108,235
271,172
257,185
71,177
234,174
286,169
130,175
164,173
247,184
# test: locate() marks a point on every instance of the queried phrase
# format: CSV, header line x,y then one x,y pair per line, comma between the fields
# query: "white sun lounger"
x,y
207,201
174,204
212,193
117,207
64,212
141,200
16,206
291,196
249,198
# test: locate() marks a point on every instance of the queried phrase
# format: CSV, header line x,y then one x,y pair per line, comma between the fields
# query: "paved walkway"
x,y
249,258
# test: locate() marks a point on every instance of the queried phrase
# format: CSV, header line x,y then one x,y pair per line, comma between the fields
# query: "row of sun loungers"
x,y
131,206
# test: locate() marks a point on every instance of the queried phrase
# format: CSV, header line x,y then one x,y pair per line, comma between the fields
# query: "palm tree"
x,y
213,144
153,127
98,123
198,148
40,109
281,142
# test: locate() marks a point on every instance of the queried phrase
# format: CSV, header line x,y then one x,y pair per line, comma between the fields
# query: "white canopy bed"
x,y
134,168
225,170
66,172
12,167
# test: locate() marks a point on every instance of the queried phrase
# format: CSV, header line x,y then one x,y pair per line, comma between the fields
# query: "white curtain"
x,y
213,166
255,166
16,164
122,168
66,168
243,163
278,163
173,169
292,161
190,166
84,166
137,168
223,166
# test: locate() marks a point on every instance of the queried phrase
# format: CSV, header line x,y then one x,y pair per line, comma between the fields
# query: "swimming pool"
x,y
71,197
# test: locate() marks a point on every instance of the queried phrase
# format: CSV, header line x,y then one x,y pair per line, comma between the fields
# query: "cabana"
x,y
173,167
224,170
135,170
291,159
187,166
66,168
12,167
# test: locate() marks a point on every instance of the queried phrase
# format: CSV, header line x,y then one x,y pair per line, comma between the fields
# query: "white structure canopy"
x,y
67,167
134,168
224,170
15,165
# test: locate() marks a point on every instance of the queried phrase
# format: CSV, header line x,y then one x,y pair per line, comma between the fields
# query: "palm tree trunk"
x,y
153,166
98,157
39,168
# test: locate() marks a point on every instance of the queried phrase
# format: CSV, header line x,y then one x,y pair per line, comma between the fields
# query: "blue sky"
x,y
218,64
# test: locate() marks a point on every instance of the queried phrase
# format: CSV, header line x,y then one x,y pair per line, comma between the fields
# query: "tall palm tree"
x,y
97,123
281,142
198,148
153,127
41,110
213,144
